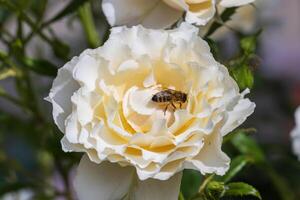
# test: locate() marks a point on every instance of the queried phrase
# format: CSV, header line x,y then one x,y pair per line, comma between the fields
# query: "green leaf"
x,y
40,66
190,183
214,190
70,8
248,44
241,189
236,166
248,146
241,68
231,135
224,17
242,74
60,49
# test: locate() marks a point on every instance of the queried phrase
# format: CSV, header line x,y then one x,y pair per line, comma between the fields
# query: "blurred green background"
x,y
39,36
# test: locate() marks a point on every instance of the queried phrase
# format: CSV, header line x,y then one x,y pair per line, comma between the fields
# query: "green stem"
x,y
205,182
87,21
181,197
26,19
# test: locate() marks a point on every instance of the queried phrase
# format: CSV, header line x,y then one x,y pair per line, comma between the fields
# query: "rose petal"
x,y
199,14
140,101
83,106
119,12
69,147
72,128
295,135
111,181
211,158
162,16
238,115
151,189
102,181
62,89
177,4
86,71
234,3
181,118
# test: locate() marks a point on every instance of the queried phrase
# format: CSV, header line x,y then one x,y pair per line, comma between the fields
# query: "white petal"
x,y
297,120
140,101
82,103
162,16
211,158
238,115
181,118
128,65
72,128
62,89
233,3
152,189
119,12
201,16
177,4
184,32
295,134
104,181
69,147
86,71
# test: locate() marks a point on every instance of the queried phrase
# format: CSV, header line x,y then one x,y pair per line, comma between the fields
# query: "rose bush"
x,y
295,134
163,13
102,103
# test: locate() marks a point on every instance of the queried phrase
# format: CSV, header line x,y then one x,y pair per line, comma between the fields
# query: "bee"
x,y
170,97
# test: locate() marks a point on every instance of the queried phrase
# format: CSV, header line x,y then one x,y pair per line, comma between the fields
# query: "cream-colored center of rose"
x,y
190,5
196,6
143,114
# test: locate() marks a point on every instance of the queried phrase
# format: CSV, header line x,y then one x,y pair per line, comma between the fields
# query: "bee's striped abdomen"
x,y
165,98
161,97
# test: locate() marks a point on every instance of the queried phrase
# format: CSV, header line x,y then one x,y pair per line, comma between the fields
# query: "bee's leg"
x,y
180,104
166,108
174,107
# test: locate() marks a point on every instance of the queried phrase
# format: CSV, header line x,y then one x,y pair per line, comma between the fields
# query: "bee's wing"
x,y
170,91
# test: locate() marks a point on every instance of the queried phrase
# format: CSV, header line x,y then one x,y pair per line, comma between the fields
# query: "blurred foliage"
x,y
30,151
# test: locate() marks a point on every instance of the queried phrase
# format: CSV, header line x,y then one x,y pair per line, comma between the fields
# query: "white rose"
x,y
102,101
163,13
295,134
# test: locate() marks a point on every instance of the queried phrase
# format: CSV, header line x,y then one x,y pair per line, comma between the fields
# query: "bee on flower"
x,y
107,101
